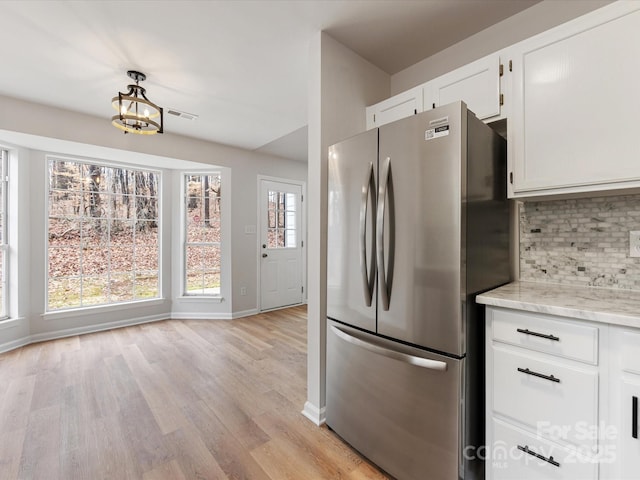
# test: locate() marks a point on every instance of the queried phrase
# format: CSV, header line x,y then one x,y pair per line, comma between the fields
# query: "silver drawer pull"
x,y
526,331
539,375
550,460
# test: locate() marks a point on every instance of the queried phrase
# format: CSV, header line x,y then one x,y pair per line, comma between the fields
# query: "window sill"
x,y
78,312
200,299
10,322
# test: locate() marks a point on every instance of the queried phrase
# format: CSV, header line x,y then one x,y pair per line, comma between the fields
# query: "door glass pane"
x,y
282,220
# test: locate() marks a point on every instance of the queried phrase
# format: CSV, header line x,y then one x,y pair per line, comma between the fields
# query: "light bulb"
x,y
146,113
123,110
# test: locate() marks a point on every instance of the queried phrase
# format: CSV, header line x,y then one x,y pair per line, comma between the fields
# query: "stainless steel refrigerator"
x,y
418,224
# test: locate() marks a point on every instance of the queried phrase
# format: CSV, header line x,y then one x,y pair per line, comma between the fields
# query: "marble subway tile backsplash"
x,y
580,241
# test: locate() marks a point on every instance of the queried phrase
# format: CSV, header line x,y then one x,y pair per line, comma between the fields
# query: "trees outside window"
x,y
103,235
202,234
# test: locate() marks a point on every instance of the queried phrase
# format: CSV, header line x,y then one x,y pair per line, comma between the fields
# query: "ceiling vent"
x,y
178,113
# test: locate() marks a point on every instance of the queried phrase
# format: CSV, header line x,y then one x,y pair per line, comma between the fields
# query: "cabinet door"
x,y
629,429
428,96
576,103
622,444
477,84
399,106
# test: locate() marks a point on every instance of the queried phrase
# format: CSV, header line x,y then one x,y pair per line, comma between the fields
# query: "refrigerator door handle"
x,y
402,357
368,278
384,280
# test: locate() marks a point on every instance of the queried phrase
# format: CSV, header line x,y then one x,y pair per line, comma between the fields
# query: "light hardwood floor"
x,y
190,399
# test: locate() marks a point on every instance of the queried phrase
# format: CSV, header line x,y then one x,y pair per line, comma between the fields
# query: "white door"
x,y
280,244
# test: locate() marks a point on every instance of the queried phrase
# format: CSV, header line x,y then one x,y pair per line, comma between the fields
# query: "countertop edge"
x,y
589,314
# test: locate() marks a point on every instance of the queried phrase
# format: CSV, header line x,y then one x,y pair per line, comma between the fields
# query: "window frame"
x,y
184,197
77,309
4,231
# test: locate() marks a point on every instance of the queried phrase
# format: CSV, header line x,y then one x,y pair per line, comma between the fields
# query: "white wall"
x,y
341,85
538,18
53,130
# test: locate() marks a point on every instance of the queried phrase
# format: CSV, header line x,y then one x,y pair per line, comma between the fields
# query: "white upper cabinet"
x,y
576,99
477,84
399,106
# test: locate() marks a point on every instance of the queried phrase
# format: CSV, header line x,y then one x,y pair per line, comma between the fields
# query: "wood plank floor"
x,y
178,399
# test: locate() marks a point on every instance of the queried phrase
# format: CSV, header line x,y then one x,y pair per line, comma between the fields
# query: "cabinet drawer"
x,y
630,352
543,334
555,400
514,457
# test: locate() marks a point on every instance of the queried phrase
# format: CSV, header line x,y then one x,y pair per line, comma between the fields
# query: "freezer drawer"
x,y
399,406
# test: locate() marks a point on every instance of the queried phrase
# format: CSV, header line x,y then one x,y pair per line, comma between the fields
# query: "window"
x,y
282,220
103,234
202,234
4,248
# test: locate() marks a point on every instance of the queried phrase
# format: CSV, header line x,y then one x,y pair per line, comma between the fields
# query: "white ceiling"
x,y
240,65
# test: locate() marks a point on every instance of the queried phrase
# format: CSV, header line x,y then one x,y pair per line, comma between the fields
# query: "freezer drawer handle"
x,y
526,331
550,460
368,278
539,375
634,417
402,357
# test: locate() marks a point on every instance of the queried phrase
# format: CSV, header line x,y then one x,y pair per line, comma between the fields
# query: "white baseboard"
x,y
13,344
245,313
200,316
313,413
70,332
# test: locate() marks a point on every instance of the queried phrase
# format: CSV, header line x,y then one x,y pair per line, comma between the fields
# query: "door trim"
x,y
303,234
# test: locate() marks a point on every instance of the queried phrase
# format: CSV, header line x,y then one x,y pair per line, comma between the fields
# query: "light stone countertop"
x,y
606,305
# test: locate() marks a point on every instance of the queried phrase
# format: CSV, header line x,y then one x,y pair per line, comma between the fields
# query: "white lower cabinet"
x,y
563,398
624,432
543,397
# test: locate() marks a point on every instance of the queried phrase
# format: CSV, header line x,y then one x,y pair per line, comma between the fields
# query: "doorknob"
x,y
264,245
264,255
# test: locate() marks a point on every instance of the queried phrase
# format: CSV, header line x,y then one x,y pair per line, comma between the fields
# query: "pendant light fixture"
x,y
136,113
